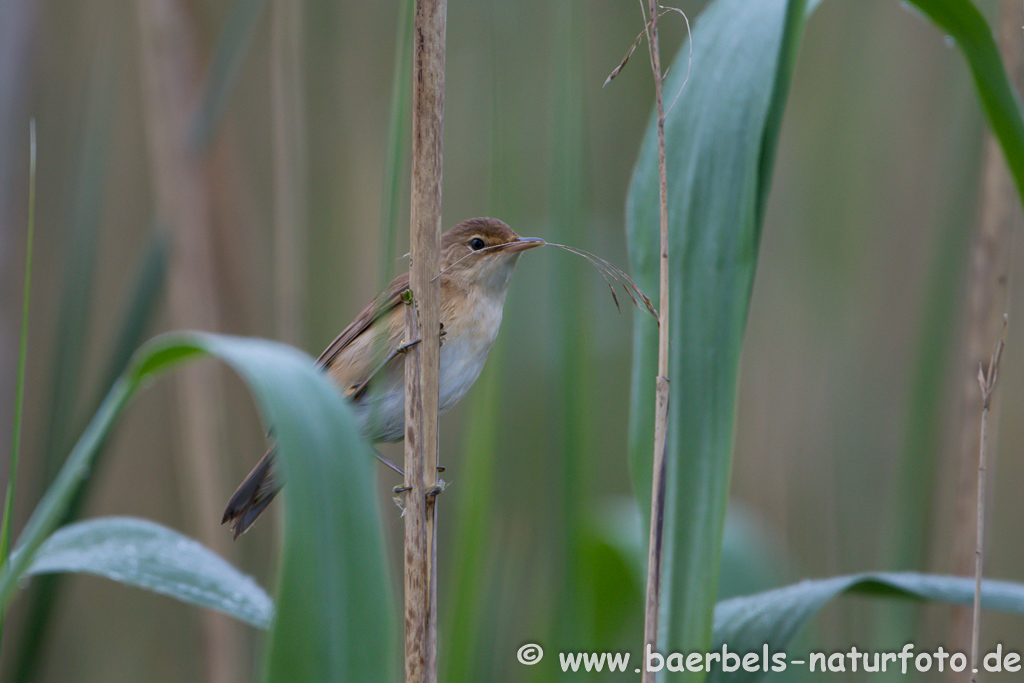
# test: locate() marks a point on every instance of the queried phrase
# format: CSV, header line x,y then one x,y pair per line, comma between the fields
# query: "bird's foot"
x,y
431,493
402,348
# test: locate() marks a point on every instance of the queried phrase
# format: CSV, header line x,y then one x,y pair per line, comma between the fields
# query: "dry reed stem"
x,y
423,322
662,382
987,383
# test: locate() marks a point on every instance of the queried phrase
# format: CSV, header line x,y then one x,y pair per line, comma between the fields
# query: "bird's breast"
x,y
465,346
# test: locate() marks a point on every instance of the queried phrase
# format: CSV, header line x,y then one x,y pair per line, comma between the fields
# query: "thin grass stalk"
x,y
291,235
980,535
73,326
53,505
423,322
19,391
662,381
987,382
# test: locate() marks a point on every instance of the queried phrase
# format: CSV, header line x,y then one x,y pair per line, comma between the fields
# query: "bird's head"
x,y
483,252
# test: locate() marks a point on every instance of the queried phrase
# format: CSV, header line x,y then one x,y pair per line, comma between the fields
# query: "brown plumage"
x,y
478,258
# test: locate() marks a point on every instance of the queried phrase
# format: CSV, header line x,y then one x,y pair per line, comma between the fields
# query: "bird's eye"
x,y
476,244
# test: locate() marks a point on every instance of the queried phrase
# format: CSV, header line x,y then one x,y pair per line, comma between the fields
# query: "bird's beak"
x,y
523,243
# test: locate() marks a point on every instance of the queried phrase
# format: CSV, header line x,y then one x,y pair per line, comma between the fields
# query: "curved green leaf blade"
x,y
720,138
140,553
334,606
746,624
962,20
333,619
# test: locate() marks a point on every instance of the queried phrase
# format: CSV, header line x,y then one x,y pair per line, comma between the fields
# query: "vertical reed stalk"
x,y
423,322
662,385
290,230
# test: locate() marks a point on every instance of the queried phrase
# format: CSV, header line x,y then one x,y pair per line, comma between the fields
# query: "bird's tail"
x,y
252,496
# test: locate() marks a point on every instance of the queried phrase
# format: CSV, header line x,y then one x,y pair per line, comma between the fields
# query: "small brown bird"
x,y
478,257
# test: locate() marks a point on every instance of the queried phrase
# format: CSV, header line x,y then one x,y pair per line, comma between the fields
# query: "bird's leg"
x,y
439,486
402,348
384,460
357,392
360,389
398,490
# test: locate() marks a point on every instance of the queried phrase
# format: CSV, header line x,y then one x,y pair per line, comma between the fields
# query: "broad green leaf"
x,y
720,137
772,618
141,553
333,619
751,556
721,140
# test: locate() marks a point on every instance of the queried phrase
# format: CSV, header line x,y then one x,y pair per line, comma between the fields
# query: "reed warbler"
x,y
478,257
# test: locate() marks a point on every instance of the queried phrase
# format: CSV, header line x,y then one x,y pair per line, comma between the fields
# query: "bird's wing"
x,y
387,301
260,487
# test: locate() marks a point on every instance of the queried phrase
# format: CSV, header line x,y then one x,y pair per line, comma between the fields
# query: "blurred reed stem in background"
x,y
917,531
572,620
64,417
183,183
291,233
470,622
396,152
19,391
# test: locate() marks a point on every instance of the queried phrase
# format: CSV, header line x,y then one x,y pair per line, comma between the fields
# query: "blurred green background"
x,y
852,350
